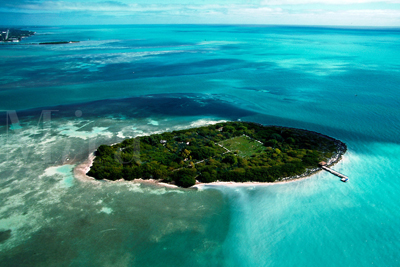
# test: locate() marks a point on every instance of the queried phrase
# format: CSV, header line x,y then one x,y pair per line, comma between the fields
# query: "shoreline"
x,y
80,172
342,148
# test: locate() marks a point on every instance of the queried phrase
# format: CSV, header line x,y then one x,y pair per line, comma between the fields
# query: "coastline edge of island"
x,y
81,170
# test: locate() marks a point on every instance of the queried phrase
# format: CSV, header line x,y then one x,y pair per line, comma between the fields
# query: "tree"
x,y
185,177
277,137
130,173
206,177
104,151
210,143
291,140
242,162
229,129
272,143
185,153
160,172
230,159
146,170
242,127
311,159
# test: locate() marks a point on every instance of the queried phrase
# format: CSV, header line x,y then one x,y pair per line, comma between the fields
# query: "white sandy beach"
x,y
81,170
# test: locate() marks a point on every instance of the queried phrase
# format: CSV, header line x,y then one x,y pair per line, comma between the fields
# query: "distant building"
x,y
220,129
13,35
163,141
3,36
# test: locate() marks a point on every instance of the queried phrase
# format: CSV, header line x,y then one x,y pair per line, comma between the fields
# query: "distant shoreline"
x,y
43,43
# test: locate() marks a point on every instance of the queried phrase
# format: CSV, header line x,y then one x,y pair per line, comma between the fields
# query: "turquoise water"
x,y
123,81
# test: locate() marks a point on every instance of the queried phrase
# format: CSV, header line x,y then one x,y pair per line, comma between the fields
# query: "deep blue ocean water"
x,y
123,81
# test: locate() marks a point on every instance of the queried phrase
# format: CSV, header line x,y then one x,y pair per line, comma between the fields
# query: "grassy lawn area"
x,y
244,145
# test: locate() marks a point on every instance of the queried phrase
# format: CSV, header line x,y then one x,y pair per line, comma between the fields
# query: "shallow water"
x,y
124,81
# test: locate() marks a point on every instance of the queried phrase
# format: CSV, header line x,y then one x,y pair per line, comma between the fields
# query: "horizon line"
x,y
206,24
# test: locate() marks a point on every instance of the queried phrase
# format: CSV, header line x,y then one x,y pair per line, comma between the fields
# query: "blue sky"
x,y
283,12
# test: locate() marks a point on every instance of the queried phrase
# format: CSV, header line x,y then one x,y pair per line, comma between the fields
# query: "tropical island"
x,y
14,35
230,151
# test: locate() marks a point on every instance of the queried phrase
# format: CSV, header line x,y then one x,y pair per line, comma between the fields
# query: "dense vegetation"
x,y
231,151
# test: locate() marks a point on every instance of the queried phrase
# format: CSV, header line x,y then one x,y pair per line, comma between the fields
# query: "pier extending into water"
x,y
323,166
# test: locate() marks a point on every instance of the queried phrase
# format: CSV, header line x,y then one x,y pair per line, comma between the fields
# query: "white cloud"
x,y
345,18
327,2
77,6
111,6
221,13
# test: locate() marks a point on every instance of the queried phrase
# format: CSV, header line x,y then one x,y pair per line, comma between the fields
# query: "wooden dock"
x,y
334,172
323,166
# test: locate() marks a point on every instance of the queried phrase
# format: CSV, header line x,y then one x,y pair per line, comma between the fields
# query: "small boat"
x,y
344,179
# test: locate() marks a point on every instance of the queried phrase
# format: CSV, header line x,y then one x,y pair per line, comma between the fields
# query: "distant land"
x,y
231,151
59,42
14,35
10,35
